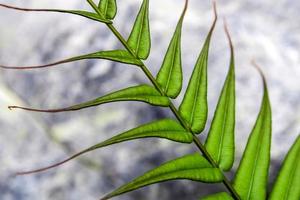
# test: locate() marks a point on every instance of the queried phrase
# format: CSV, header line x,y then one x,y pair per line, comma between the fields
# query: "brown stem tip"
x,y
41,110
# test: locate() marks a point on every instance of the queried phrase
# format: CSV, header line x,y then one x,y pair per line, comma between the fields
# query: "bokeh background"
x,y
267,31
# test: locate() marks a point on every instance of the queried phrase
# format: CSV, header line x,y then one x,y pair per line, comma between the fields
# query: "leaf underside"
x,y
192,167
139,39
287,184
252,175
218,196
170,74
165,129
193,108
143,93
108,8
220,140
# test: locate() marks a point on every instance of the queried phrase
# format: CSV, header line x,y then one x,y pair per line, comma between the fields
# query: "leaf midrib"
x,y
174,53
140,32
223,126
134,97
106,7
151,131
197,90
257,152
175,171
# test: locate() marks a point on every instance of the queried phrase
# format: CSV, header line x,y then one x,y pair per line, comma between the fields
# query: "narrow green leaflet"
x,y
251,179
170,74
220,140
139,39
287,185
194,105
144,93
192,167
121,56
108,8
82,13
218,196
166,128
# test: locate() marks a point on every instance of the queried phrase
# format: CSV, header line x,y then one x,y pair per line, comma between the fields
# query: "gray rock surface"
x,y
267,31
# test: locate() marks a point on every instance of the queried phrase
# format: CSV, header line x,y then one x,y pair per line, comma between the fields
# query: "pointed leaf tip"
x,y
108,8
170,74
253,62
252,174
193,108
139,39
228,35
220,140
191,167
287,184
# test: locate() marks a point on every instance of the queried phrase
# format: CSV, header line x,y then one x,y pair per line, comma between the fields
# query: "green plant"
x,y
217,154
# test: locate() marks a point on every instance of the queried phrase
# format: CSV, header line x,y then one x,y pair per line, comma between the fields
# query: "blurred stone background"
x,y
267,31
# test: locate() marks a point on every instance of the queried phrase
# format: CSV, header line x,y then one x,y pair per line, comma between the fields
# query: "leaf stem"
x,y
226,182
149,75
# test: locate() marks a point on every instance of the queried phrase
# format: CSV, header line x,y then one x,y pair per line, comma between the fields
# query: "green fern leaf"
x,y
82,13
142,93
121,56
192,167
166,129
194,105
252,175
287,185
218,196
170,74
139,39
108,8
220,140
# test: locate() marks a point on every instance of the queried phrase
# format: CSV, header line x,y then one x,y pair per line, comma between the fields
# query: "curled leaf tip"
x,y
253,62
215,10
185,6
227,33
215,18
24,9
22,173
15,8
34,66
10,107
40,110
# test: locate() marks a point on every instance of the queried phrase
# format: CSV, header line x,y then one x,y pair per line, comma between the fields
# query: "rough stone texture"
x,y
266,31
